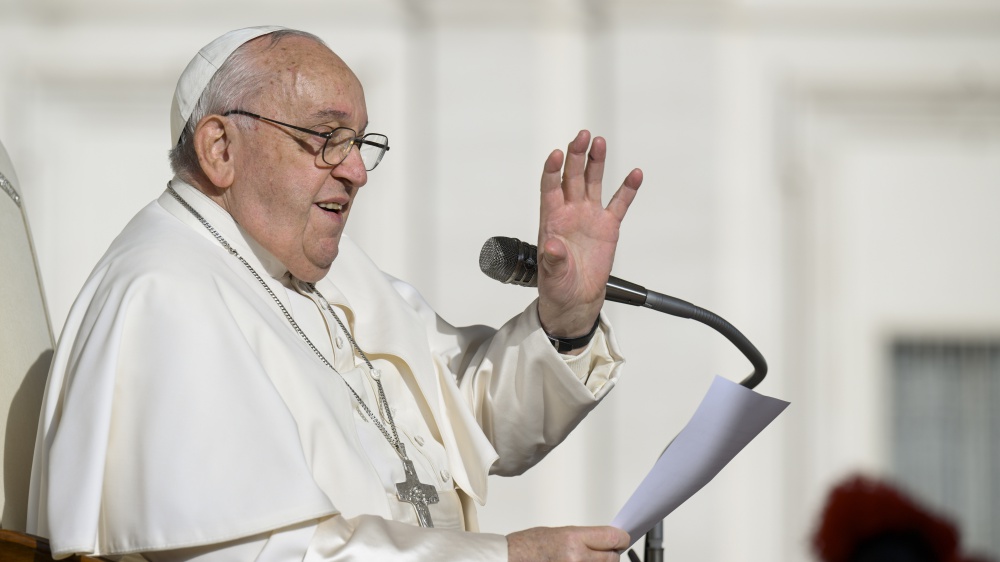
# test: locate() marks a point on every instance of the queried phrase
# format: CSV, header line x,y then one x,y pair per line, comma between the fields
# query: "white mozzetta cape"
x,y
173,412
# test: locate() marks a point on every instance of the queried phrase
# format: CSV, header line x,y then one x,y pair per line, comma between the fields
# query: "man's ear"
x,y
212,144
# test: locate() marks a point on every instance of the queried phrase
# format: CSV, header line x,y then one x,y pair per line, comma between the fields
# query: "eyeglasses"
x,y
337,142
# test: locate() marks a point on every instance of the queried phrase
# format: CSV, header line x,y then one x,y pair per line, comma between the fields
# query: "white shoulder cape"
x,y
155,450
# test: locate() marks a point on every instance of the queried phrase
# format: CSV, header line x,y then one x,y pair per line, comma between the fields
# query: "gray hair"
x,y
236,84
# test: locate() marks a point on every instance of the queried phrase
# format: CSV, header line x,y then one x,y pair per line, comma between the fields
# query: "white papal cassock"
x,y
184,417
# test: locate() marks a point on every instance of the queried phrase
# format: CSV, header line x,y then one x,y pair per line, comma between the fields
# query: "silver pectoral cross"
x,y
414,492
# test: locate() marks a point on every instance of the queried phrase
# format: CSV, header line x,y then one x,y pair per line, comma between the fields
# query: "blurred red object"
x,y
869,520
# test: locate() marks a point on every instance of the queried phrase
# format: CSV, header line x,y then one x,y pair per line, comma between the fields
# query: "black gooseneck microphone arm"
x,y
625,292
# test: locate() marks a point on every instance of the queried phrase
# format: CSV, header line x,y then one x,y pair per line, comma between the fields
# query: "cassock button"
x,y
377,374
340,342
445,475
419,440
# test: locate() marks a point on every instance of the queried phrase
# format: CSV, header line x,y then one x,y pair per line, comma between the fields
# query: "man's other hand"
x,y
571,544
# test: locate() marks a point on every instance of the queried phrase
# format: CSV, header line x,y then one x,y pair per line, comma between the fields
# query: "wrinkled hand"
x,y
577,236
578,544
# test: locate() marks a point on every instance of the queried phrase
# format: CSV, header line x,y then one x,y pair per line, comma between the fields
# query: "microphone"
x,y
509,260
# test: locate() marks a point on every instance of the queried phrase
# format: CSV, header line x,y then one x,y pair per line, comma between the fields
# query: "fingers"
x,y
552,195
550,172
582,171
622,198
573,184
594,174
582,177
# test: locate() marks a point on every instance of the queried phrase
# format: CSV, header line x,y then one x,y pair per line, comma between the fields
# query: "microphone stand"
x,y
654,544
622,291
510,260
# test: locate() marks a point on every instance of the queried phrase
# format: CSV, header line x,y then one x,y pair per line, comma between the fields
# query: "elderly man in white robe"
x,y
238,381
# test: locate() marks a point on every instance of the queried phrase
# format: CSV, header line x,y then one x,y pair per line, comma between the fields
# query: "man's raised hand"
x,y
577,235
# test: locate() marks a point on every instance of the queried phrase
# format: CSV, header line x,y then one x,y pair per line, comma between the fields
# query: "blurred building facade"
x,y
825,175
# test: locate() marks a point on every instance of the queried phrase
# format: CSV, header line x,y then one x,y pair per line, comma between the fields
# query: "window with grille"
x,y
946,432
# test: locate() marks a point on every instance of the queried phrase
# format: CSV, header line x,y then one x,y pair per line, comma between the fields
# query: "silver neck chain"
x,y
393,439
8,187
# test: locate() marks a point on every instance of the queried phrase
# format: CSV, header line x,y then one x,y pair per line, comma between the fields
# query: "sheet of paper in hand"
x,y
728,418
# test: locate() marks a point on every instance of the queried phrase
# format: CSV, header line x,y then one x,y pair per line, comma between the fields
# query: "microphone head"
x,y
508,260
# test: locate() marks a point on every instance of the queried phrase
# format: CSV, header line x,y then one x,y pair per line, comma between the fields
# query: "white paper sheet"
x,y
728,418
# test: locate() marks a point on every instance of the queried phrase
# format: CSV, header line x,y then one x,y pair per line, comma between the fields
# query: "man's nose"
x,y
352,168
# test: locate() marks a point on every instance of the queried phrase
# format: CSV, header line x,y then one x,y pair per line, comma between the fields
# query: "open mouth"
x,y
331,207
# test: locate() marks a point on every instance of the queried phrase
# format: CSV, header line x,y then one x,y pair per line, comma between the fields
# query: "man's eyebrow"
x,y
325,115
330,115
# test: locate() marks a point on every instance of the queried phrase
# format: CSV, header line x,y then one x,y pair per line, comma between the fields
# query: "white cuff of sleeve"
x,y
595,365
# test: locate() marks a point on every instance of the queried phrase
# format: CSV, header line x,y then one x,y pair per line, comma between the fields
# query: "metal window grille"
x,y
946,432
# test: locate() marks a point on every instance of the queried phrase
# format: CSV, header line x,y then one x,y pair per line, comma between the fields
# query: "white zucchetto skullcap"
x,y
201,69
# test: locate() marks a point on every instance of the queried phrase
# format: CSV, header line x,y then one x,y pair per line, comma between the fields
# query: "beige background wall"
x,y
824,174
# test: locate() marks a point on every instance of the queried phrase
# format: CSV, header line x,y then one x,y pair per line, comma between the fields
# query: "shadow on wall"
x,y
19,442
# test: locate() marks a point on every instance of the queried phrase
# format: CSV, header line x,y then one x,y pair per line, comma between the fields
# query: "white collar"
x,y
231,231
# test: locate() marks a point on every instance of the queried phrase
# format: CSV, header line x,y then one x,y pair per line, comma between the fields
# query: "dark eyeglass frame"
x,y
355,140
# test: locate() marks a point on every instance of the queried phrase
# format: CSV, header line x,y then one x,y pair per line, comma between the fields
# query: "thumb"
x,y
608,538
554,258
